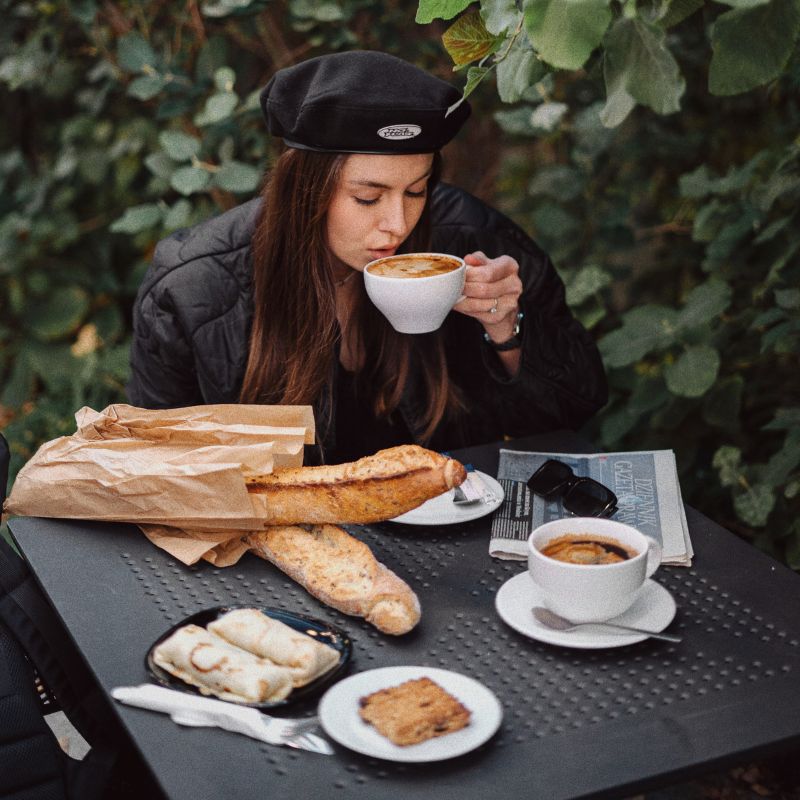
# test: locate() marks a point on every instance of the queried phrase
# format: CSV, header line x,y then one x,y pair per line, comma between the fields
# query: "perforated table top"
x,y
576,723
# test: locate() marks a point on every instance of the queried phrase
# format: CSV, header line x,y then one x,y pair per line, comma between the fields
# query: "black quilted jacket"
x,y
194,309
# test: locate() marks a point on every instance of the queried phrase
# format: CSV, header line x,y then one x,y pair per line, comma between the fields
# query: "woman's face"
x,y
376,204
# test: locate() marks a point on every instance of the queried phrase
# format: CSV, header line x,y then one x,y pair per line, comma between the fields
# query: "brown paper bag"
x,y
181,468
221,548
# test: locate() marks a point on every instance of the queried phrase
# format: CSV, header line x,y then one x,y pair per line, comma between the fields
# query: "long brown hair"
x,y
295,330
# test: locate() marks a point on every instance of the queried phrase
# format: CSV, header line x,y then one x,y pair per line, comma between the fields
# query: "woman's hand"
x,y
491,294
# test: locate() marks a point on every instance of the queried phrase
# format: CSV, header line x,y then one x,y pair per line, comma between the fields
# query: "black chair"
x,y
31,763
41,671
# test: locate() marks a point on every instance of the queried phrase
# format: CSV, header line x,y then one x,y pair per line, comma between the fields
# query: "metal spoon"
x,y
552,620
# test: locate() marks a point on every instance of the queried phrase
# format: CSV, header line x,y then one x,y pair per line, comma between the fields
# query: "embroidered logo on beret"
x,y
396,132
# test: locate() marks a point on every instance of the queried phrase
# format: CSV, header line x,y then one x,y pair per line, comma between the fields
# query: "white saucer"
x,y
654,609
441,510
338,714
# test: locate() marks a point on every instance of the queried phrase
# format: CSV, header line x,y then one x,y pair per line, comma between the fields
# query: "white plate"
x,y
441,510
653,609
338,714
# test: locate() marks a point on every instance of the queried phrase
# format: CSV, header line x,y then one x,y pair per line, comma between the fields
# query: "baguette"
x,y
374,488
341,571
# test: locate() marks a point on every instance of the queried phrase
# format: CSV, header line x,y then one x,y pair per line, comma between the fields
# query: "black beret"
x,y
361,102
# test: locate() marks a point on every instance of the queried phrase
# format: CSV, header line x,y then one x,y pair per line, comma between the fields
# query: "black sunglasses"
x,y
584,497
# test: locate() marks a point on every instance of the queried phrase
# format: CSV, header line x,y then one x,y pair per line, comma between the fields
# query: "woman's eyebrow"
x,y
379,185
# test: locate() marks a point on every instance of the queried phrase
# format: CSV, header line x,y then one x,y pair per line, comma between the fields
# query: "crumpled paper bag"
x,y
177,473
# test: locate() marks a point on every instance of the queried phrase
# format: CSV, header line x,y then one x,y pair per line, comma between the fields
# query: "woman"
x,y
265,303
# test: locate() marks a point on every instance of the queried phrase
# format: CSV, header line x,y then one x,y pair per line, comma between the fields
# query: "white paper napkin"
x,y
192,710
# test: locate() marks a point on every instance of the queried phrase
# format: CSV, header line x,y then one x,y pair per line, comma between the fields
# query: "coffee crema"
x,y
587,549
414,266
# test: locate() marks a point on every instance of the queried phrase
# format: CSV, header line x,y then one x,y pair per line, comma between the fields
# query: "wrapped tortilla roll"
x,y
215,667
252,630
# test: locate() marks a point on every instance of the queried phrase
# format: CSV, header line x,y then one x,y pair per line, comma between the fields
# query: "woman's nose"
x,y
394,219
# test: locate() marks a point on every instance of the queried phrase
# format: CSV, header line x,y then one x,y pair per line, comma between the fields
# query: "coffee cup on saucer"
x,y
590,569
415,291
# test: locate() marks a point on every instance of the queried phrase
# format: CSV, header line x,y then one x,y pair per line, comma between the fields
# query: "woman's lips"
x,y
382,253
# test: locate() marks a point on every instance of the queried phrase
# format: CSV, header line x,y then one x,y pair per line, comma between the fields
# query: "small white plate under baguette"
x,y
339,717
441,510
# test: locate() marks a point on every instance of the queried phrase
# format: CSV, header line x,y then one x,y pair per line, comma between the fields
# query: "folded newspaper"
x,y
645,482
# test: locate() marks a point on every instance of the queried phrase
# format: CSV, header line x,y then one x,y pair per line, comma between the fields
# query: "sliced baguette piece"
x,y
341,571
374,488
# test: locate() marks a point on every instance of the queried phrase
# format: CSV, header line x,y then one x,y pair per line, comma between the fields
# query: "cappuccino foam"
x,y
414,266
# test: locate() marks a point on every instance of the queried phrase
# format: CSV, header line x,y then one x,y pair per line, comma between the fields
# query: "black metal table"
x,y
576,723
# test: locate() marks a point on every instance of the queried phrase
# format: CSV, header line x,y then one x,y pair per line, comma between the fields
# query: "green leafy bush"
x,y
650,147
677,231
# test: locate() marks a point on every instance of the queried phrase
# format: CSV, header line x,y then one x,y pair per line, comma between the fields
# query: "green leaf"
x,y
784,418
224,79
474,76
694,373
188,180
109,323
160,164
743,3
518,70
705,303
754,506
557,180
137,218
644,328
592,136
781,464
547,116
553,222
586,283
619,102
467,39
727,461
54,364
429,10
84,11
500,16
741,60
134,53
179,146
19,387
233,176
679,10
223,8
146,87
213,55
637,62
217,108
178,215
565,32
698,184
517,121
788,298
59,313
709,220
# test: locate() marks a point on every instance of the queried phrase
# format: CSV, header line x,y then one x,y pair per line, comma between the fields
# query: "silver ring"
x,y
493,309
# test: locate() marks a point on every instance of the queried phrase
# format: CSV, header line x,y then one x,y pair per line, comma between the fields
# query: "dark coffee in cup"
x,y
414,266
587,549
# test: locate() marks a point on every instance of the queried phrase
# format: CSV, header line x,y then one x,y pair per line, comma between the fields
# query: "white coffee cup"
x,y
416,304
591,592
